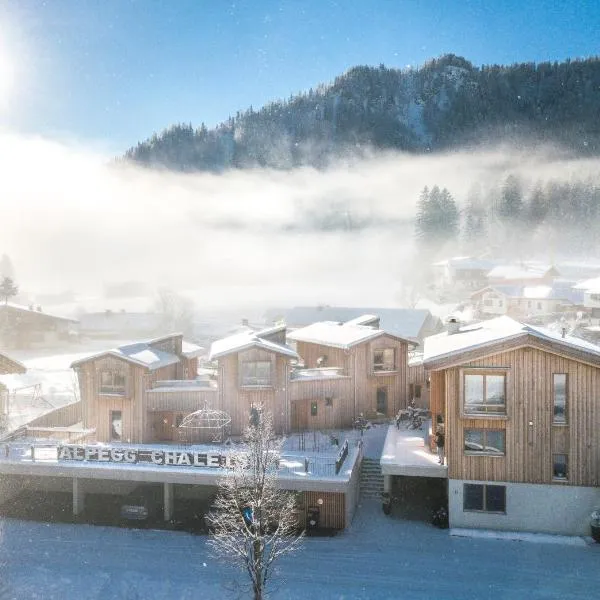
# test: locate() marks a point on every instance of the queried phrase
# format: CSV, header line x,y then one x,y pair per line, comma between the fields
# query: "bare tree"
x,y
176,311
253,522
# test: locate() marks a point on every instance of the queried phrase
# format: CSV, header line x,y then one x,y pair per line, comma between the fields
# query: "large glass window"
x,y
560,399
384,359
485,441
256,373
112,382
484,498
485,393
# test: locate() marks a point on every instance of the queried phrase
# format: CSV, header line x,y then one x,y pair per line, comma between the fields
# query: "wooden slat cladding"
x,y
181,400
237,400
531,436
357,363
417,376
332,510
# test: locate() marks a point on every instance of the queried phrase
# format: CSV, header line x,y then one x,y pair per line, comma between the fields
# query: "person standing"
x,y
439,442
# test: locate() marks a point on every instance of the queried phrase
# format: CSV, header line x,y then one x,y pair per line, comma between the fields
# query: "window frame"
x,y
565,421
554,463
484,508
485,444
484,372
255,381
381,367
112,389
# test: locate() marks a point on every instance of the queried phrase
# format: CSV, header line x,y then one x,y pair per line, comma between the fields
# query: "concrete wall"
x,y
557,509
353,490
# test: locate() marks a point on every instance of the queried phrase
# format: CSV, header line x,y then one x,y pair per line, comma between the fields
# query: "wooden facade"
x,y
532,439
137,407
366,391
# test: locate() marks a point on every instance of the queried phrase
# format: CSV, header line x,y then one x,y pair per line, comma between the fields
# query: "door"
x,y
382,400
116,425
300,415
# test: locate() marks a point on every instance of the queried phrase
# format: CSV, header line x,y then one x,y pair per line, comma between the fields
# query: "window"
x,y
560,469
487,302
414,391
116,425
485,441
539,305
384,360
560,398
313,409
322,361
256,373
112,382
329,401
484,498
485,394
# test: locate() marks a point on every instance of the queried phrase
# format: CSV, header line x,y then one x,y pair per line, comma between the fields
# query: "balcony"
x,y
318,373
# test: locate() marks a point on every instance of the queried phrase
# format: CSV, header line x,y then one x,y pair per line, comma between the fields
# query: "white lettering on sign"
x,y
175,458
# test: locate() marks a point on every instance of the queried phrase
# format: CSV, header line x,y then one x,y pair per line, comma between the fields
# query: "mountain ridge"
x,y
445,104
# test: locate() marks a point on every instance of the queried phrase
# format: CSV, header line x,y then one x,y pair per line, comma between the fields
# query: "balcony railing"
x,y
318,373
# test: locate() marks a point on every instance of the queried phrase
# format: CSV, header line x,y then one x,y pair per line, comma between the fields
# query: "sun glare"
x,y
6,77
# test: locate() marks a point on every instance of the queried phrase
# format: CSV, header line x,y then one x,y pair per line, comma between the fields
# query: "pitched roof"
x,y
145,355
443,348
530,271
10,365
246,340
337,335
40,313
401,322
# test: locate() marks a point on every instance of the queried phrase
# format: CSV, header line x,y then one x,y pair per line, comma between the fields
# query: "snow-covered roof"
x,y
591,286
488,333
30,310
460,263
363,320
190,350
337,335
401,322
246,340
142,354
511,272
557,291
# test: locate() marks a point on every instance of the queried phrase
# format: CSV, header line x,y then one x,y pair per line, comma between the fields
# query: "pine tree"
x,y
8,289
510,208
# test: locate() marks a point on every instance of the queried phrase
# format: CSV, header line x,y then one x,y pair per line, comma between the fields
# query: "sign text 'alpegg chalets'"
x,y
171,458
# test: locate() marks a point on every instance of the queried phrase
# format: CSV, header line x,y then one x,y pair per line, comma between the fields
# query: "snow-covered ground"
x,y
378,558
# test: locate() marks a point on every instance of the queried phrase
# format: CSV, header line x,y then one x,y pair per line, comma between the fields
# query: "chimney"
x,y
453,325
563,331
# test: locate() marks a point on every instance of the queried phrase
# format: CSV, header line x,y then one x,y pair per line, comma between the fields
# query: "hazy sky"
x,y
110,72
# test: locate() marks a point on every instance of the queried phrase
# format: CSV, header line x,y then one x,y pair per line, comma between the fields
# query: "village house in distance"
x,y
520,410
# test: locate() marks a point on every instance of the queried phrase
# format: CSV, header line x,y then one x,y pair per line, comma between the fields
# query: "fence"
x,y
59,417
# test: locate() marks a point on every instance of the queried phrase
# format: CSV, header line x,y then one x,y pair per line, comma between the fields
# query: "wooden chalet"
x,y
520,410
29,326
348,370
141,392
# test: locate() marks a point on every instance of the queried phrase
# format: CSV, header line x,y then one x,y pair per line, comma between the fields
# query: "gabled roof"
x,y
338,335
559,290
11,365
40,313
190,350
401,322
445,349
145,355
246,340
530,271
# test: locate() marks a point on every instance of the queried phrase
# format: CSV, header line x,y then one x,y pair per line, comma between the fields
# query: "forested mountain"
x,y
446,103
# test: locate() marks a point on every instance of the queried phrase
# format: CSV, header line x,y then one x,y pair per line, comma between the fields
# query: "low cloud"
x,y
74,219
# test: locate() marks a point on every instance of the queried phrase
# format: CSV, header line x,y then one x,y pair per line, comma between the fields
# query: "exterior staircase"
x,y
371,479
